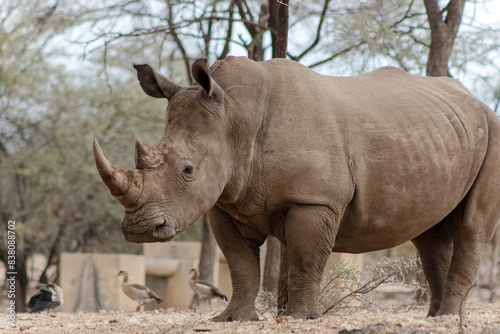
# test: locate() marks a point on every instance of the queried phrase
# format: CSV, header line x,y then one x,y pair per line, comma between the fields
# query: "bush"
x,y
345,285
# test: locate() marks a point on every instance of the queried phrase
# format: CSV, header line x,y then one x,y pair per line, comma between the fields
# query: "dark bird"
x,y
203,289
46,297
140,293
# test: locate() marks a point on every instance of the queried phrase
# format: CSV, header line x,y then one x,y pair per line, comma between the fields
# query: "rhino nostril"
x,y
163,231
158,228
155,232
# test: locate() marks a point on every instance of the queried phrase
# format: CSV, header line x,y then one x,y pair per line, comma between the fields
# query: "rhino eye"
x,y
188,169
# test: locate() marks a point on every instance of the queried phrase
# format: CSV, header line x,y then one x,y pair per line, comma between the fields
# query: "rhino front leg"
x,y
310,235
240,245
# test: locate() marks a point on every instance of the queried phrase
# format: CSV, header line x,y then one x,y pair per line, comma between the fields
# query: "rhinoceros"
x,y
322,163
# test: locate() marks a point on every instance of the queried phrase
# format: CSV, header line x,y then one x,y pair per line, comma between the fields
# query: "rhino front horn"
x,y
123,184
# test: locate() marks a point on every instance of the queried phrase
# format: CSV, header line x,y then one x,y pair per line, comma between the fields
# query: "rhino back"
x,y
416,146
381,148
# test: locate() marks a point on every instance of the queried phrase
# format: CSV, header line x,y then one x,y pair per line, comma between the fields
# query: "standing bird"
x,y
140,293
203,289
46,297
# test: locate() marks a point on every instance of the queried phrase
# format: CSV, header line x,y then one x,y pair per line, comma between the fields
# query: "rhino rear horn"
x,y
155,84
146,156
125,185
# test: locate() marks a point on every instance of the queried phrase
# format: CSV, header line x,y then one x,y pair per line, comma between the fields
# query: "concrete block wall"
x,y
89,280
175,287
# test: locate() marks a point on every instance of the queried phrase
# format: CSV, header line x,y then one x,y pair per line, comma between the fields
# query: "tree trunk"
x,y
278,24
283,281
443,34
207,261
54,255
271,267
208,249
21,280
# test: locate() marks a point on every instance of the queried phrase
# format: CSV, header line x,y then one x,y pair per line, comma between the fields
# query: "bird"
x,y
47,297
140,293
203,289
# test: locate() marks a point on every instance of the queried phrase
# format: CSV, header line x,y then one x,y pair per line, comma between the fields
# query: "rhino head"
x,y
181,178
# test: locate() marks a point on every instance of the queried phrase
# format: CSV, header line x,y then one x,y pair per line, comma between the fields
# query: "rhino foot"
x,y
434,307
450,310
450,307
236,315
304,315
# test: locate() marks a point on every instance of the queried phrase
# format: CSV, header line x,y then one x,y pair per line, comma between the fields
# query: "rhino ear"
x,y
155,84
201,76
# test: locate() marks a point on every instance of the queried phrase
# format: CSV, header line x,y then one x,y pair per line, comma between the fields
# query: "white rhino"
x,y
342,164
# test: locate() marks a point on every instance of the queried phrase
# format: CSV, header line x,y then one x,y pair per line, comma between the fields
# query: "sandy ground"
x,y
481,318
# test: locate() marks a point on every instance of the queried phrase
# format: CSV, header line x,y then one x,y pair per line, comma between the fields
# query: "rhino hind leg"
x,y
471,234
472,229
435,247
471,225
240,245
477,220
451,256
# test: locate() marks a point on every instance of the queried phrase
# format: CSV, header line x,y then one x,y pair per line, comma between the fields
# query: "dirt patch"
x,y
481,318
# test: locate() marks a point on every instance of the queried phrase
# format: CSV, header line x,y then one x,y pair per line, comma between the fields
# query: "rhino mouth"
x,y
160,232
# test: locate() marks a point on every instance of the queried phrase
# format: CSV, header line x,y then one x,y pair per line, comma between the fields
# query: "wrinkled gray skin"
x,y
324,164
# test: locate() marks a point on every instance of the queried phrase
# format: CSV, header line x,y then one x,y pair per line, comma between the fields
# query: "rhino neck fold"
x,y
245,157
247,105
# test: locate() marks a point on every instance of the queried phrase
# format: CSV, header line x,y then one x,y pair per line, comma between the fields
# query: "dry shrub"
x,y
345,285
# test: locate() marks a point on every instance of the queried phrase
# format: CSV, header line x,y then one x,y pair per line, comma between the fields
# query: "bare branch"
x,y
105,62
497,103
339,53
406,16
177,40
251,19
318,33
229,34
